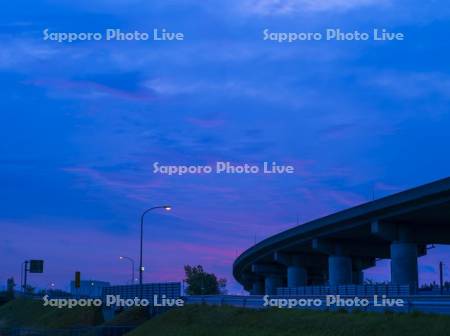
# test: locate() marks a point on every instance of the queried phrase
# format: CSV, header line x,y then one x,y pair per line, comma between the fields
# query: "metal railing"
x,y
420,303
354,290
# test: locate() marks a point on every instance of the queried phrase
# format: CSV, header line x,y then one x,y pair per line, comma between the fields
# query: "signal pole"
x,y
24,285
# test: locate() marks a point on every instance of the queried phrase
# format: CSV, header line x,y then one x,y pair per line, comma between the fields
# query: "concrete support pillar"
x,y
404,270
357,277
257,287
295,268
272,282
339,270
296,276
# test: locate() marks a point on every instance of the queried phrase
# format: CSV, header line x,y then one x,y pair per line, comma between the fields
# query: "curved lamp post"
x,y
132,266
141,267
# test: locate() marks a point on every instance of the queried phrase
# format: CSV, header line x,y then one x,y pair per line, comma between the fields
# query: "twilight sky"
x,y
82,124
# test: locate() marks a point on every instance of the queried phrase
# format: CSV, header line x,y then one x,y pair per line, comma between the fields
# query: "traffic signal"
x,y
77,279
36,266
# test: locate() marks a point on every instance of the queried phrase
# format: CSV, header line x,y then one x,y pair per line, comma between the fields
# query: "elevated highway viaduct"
x,y
336,249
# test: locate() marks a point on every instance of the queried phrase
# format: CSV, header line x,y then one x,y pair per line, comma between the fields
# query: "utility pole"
x,y
24,286
441,277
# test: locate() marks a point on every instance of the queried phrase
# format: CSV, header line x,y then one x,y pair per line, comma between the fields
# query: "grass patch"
x,y
130,317
229,321
33,314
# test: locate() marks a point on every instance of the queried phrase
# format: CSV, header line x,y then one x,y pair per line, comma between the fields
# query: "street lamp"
x,y
141,267
132,266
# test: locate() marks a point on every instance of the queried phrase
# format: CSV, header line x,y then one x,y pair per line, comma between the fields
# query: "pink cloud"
x,y
346,198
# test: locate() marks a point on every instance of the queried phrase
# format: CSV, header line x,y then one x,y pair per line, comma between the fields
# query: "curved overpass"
x,y
337,248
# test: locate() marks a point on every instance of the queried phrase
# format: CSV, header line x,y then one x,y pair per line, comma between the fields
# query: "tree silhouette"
x,y
201,283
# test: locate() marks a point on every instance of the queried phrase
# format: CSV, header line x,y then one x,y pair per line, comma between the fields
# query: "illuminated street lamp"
x,y
141,267
132,266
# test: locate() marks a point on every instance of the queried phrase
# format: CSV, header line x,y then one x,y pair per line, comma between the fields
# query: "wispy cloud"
x,y
129,185
206,122
63,88
339,131
345,198
269,92
111,180
411,85
288,7
17,54
382,186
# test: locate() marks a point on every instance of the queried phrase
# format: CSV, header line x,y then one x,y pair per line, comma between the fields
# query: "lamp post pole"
x,y
141,267
132,267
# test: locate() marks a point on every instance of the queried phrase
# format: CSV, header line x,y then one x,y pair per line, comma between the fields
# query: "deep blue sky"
x,y
83,122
